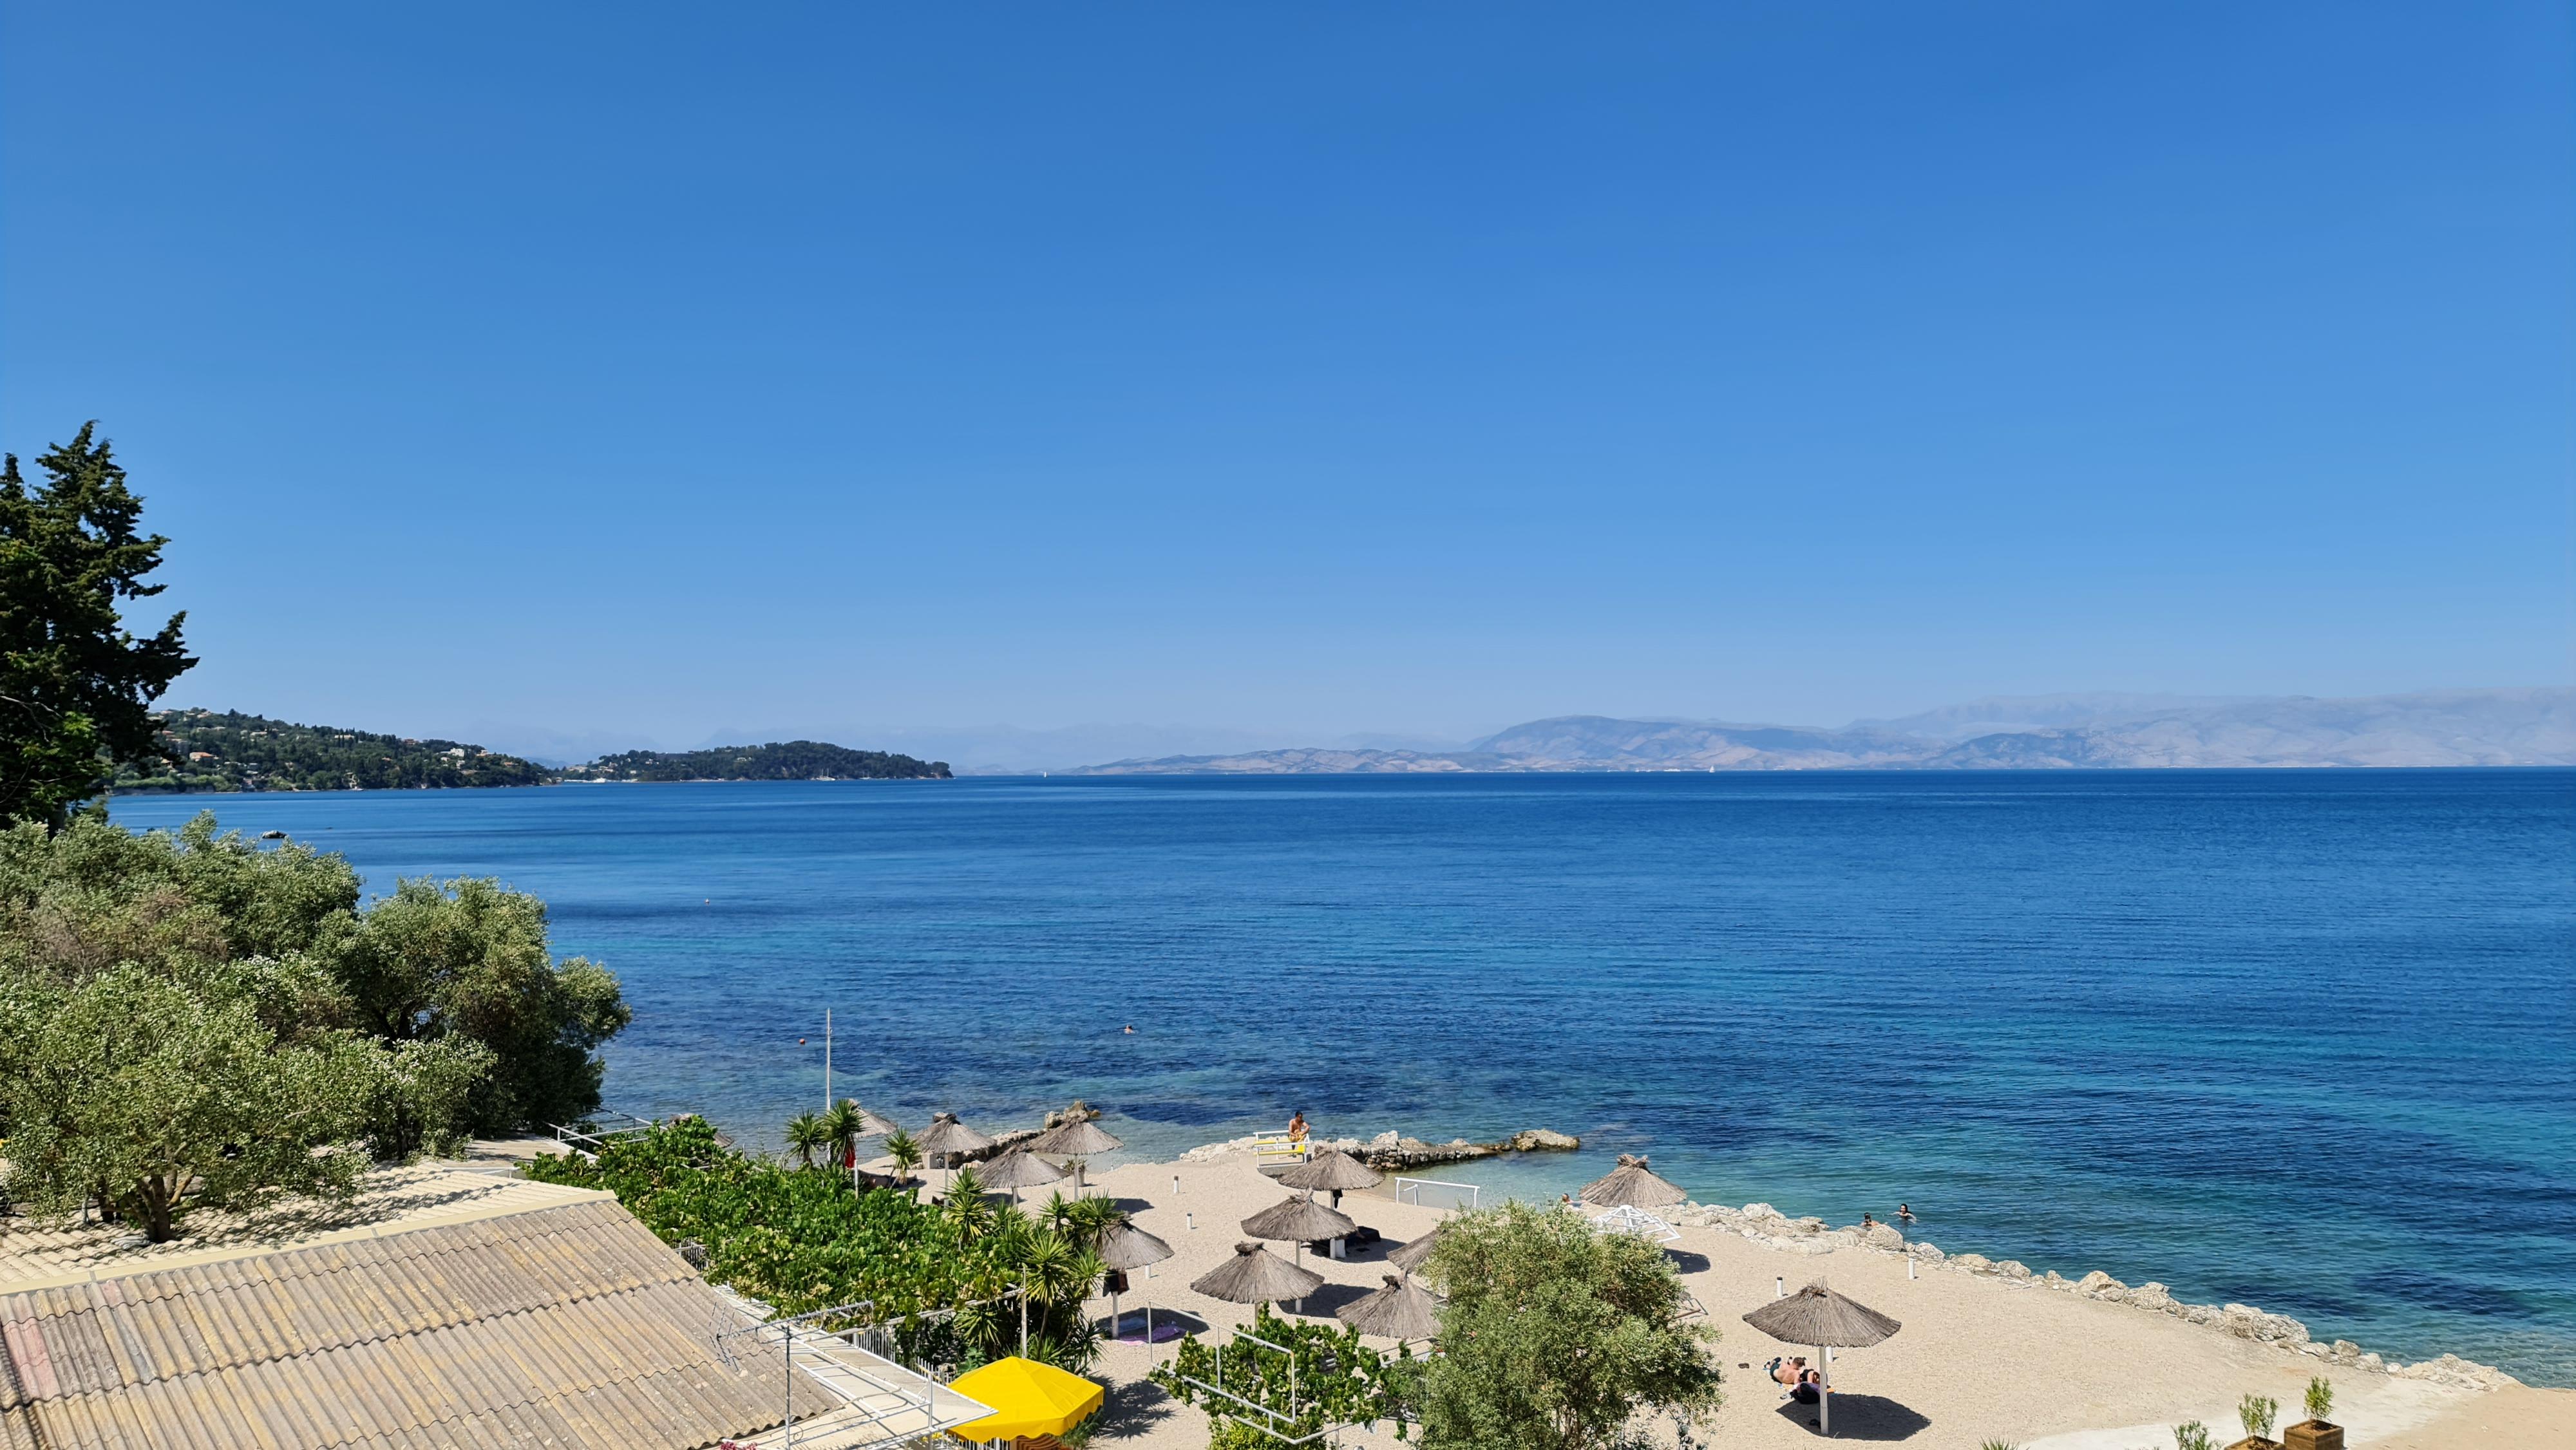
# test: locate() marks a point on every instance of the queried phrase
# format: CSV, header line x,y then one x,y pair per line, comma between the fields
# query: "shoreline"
x,y
1809,1236
2117,1374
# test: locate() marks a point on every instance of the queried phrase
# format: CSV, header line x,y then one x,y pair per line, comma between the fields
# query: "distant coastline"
x,y
208,752
2502,727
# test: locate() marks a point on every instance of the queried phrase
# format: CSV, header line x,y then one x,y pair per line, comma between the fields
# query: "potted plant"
x,y
2315,1432
2256,1413
2191,1435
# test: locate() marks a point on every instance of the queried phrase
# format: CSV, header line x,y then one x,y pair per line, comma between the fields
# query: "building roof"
x,y
501,1318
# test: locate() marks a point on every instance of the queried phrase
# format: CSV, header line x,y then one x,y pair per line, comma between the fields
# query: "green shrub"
x,y
2320,1398
953,1287
2257,1412
2191,1435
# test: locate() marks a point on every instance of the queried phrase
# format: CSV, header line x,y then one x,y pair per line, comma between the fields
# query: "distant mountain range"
x,y
2433,728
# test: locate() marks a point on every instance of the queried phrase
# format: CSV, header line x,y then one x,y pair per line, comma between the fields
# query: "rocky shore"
x,y
1768,1226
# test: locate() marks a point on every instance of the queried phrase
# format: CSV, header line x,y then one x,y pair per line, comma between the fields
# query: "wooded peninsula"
x,y
226,750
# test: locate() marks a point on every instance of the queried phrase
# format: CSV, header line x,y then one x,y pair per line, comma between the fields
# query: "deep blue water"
x,y
2301,1039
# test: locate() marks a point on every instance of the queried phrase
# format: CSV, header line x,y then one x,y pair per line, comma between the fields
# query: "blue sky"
x,y
1307,369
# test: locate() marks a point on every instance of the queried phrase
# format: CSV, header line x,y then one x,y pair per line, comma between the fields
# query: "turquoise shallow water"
x,y
2305,1040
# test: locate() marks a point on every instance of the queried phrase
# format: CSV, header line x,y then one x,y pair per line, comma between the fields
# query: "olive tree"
x,y
135,1092
1555,1334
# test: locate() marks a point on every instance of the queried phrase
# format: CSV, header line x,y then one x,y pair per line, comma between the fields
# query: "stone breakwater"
x,y
1393,1153
1768,1226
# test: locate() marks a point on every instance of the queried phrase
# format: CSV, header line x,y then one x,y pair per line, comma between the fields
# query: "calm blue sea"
x,y
2305,1040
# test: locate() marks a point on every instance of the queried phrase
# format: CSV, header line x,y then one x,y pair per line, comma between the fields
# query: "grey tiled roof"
x,y
565,1326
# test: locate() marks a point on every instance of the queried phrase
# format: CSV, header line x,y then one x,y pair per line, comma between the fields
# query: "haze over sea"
x,y
2304,1040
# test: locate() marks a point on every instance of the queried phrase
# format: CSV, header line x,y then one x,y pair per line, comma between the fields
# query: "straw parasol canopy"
x,y
1331,1169
1400,1311
946,1136
1075,1139
1298,1220
1632,1185
1129,1247
1253,1276
1017,1169
1414,1255
1817,1315
871,1125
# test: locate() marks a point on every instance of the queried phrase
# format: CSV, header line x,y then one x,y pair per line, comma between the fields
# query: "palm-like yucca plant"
x,y
1090,1218
968,1211
1057,1214
905,1150
845,1125
2257,1412
806,1136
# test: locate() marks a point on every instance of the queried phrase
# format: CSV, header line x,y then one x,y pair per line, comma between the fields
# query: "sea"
x,y
2304,1040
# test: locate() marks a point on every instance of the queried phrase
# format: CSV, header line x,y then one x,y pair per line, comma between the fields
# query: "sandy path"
x,y
1978,1357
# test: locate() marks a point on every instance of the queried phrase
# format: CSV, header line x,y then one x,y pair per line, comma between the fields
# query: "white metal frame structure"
x,y
1409,1190
881,1401
1329,1431
617,1126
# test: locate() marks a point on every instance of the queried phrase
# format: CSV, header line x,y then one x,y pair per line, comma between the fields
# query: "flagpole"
x,y
827,1059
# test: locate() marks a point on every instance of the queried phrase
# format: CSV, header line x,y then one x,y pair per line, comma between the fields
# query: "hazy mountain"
x,y
1997,714
2433,728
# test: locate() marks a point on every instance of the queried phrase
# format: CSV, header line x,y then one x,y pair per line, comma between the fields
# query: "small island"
x,y
791,760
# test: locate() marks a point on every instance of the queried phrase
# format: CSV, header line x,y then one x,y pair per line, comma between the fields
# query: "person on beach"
x,y
1297,1127
1810,1388
1786,1371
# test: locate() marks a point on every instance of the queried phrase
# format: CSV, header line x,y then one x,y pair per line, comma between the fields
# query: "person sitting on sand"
x,y
1810,1388
1787,1371
1297,1127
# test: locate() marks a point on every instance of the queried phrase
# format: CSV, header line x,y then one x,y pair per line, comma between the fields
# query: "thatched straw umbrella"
x,y
946,1137
1252,1276
871,1124
1077,1138
1333,1170
1817,1315
1412,1256
1016,1170
1126,1247
1400,1311
1632,1185
1299,1221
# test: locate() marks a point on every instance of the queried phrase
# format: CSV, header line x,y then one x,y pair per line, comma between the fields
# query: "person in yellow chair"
x,y
1297,1129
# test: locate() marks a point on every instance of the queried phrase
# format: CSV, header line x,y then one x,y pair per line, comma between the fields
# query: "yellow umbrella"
x,y
1028,1398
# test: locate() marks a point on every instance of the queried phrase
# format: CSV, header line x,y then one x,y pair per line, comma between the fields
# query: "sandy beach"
x,y
1978,1357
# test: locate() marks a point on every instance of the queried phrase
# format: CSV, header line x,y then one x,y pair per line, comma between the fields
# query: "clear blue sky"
x,y
1308,367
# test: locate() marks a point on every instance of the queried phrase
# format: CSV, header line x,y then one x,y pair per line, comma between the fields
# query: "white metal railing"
x,y
1444,1193
878,1400
599,1130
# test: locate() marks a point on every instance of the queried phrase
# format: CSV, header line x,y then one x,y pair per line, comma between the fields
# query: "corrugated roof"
x,y
61,1251
565,1326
